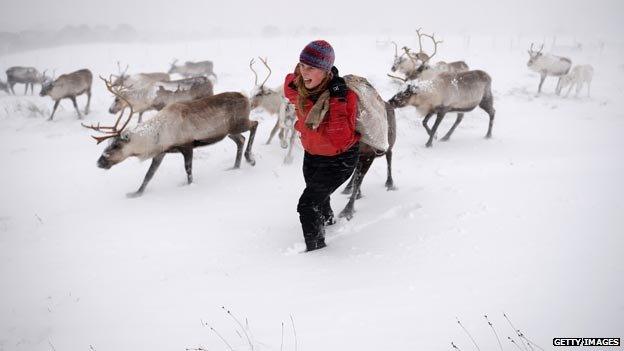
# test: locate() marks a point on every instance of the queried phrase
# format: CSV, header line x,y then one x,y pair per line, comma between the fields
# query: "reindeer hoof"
x,y
445,139
288,160
428,144
391,187
347,190
134,194
348,214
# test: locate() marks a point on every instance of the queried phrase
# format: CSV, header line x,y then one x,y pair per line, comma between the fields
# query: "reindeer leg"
x,y
349,188
56,103
425,121
588,86
438,120
569,90
73,99
187,152
253,125
579,86
289,158
282,136
148,176
488,106
88,102
558,88
460,116
11,84
239,139
363,165
273,131
539,88
389,180
26,90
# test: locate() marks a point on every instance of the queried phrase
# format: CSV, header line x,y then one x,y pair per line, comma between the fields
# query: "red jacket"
x,y
336,133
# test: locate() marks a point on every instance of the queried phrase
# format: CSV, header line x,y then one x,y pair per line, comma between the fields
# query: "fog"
x,y
535,17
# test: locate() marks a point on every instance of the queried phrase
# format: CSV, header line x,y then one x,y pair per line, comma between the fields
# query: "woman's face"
x,y
312,76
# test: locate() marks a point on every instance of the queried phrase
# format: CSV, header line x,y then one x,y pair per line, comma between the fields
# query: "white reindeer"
x,y
579,75
548,65
274,102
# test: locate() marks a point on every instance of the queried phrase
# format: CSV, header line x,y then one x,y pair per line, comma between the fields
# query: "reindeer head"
x,y
47,83
174,69
260,92
46,87
162,97
402,99
117,105
534,55
121,77
118,149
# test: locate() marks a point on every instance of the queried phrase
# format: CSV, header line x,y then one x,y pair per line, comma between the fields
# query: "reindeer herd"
x,y
190,115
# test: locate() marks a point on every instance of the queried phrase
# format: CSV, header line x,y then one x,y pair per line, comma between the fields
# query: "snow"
x,y
528,223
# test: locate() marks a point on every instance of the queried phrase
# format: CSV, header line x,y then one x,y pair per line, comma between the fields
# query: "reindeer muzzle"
x,y
103,162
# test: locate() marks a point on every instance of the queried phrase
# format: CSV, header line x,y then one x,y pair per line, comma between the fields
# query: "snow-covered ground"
x,y
529,223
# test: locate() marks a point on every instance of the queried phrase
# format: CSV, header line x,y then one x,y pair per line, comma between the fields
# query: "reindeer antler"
x,y
399,78
435,46
122,73
251,62
531,51
267,66
407,52
111,131
396,50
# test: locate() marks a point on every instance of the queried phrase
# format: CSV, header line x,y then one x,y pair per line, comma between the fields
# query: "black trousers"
x,y
323,175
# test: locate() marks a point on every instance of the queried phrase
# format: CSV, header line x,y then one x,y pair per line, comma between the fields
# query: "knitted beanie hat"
x,y
318,54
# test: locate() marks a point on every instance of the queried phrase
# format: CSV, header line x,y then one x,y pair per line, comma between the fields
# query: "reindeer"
x,y
184,83
29,76
449,92
579,75
403,64
69,86
141,80
548,65
274,102
140,90
196,91
367,155
193,69
141,100
422,69
179,127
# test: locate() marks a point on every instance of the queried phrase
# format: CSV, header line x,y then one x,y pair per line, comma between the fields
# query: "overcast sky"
x,y
601,17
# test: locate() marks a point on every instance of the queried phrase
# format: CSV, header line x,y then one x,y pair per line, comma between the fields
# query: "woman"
x,y
326,112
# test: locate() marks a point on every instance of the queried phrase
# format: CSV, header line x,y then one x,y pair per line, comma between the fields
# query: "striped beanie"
x,y
318,54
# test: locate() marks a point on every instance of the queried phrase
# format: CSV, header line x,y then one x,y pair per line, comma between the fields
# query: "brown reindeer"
x,y
449,92
179,127
371,131
69,86
195,91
